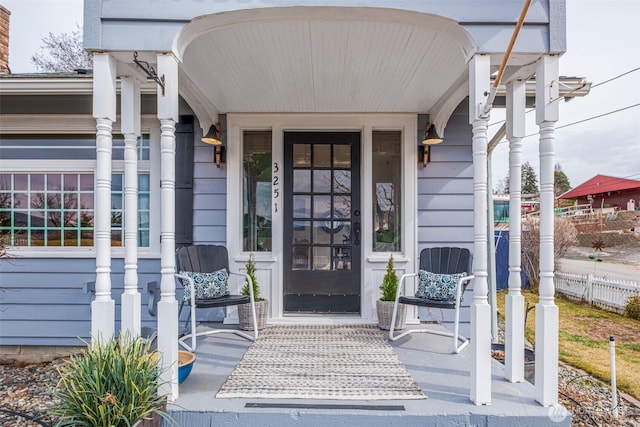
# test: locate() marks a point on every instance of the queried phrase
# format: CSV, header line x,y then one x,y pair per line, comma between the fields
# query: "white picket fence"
x,y
607,294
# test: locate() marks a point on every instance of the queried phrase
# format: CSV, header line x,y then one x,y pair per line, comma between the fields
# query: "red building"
x,y
606,191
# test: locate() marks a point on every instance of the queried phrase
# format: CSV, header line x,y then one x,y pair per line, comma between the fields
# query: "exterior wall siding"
x,y
45,302
209,197
445,203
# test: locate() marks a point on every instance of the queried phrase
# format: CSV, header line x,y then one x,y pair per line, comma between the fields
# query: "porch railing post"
x,y
168,306
130,117
479,82
104,111
547,329
514,301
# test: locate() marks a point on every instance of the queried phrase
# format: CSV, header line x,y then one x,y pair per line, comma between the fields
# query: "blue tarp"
x,y
501,239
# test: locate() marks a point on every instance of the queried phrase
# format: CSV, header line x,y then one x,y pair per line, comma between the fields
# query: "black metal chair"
x,y
208,259
442,260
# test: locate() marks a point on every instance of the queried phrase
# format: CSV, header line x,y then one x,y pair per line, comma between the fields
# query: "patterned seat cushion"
x,y
438,287
206,285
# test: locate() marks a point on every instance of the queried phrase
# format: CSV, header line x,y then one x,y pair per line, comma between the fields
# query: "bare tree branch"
x,y
62,53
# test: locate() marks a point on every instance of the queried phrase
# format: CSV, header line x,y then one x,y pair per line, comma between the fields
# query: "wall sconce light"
x,y
430,138
213,137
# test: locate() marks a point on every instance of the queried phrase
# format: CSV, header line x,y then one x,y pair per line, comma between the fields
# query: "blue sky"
x,y
603,41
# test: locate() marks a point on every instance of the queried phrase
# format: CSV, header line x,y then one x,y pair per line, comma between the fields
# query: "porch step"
x,y
324,415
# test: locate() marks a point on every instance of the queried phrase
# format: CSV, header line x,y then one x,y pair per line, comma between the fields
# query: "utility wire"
x,y
587,119
614,78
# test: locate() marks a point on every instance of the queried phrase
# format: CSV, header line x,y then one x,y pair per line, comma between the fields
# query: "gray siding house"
x,y
321,108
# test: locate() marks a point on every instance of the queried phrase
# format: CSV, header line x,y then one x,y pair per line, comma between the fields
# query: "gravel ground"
x,y
26,393
27,389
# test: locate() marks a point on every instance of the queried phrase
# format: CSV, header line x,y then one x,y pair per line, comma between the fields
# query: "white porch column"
x,y
479,81
514,301
168,306
547,90
104,111
130,117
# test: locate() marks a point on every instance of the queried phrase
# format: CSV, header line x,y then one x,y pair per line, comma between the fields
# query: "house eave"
x,y
570,87
49,85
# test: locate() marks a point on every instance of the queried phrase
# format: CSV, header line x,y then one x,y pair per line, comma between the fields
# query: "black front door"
x,y
322,222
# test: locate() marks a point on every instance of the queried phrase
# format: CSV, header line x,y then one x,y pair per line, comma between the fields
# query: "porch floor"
x,y
443,376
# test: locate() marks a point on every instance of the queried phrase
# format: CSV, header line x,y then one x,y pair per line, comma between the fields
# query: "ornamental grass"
x,y
110,384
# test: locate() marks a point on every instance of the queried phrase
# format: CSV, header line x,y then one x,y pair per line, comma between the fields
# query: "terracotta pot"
x,y
245,318
385,312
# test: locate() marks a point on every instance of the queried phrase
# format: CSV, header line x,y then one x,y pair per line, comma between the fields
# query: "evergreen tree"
x,y
389,286
560,181
251,272
529,179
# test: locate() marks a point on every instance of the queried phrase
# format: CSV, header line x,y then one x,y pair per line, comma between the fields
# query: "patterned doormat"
x,y
321,362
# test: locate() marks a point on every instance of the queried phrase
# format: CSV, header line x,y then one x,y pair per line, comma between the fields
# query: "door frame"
x,y
269,265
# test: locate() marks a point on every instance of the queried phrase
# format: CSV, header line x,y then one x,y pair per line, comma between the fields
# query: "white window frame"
x,y
85,125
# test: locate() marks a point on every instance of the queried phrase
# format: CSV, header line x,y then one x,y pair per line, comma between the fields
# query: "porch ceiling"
x,y
321,60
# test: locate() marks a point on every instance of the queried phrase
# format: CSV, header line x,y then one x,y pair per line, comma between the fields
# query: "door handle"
x,y
356,231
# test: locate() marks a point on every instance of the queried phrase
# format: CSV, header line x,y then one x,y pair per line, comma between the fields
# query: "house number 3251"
x,y
276,186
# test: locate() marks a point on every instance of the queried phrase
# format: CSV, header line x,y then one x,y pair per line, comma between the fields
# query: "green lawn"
x,y
584,340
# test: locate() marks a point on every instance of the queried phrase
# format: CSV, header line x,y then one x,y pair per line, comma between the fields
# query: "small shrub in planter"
x,y
111,384
384,305
633,307
262,305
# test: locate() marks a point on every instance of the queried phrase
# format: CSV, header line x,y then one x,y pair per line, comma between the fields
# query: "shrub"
x,y
251,272
633,307
564,237
389,286
109,384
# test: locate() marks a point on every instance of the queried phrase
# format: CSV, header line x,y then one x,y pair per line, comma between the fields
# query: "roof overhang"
x,y
320,59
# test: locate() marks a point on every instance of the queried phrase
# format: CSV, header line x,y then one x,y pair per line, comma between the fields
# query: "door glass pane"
x,y
302,206
342,206
321,155
322,206
301,181
321,258
387,197
301,257
301,232
342,156
302,155
322,232
322,181
342,258
256,165
342,181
